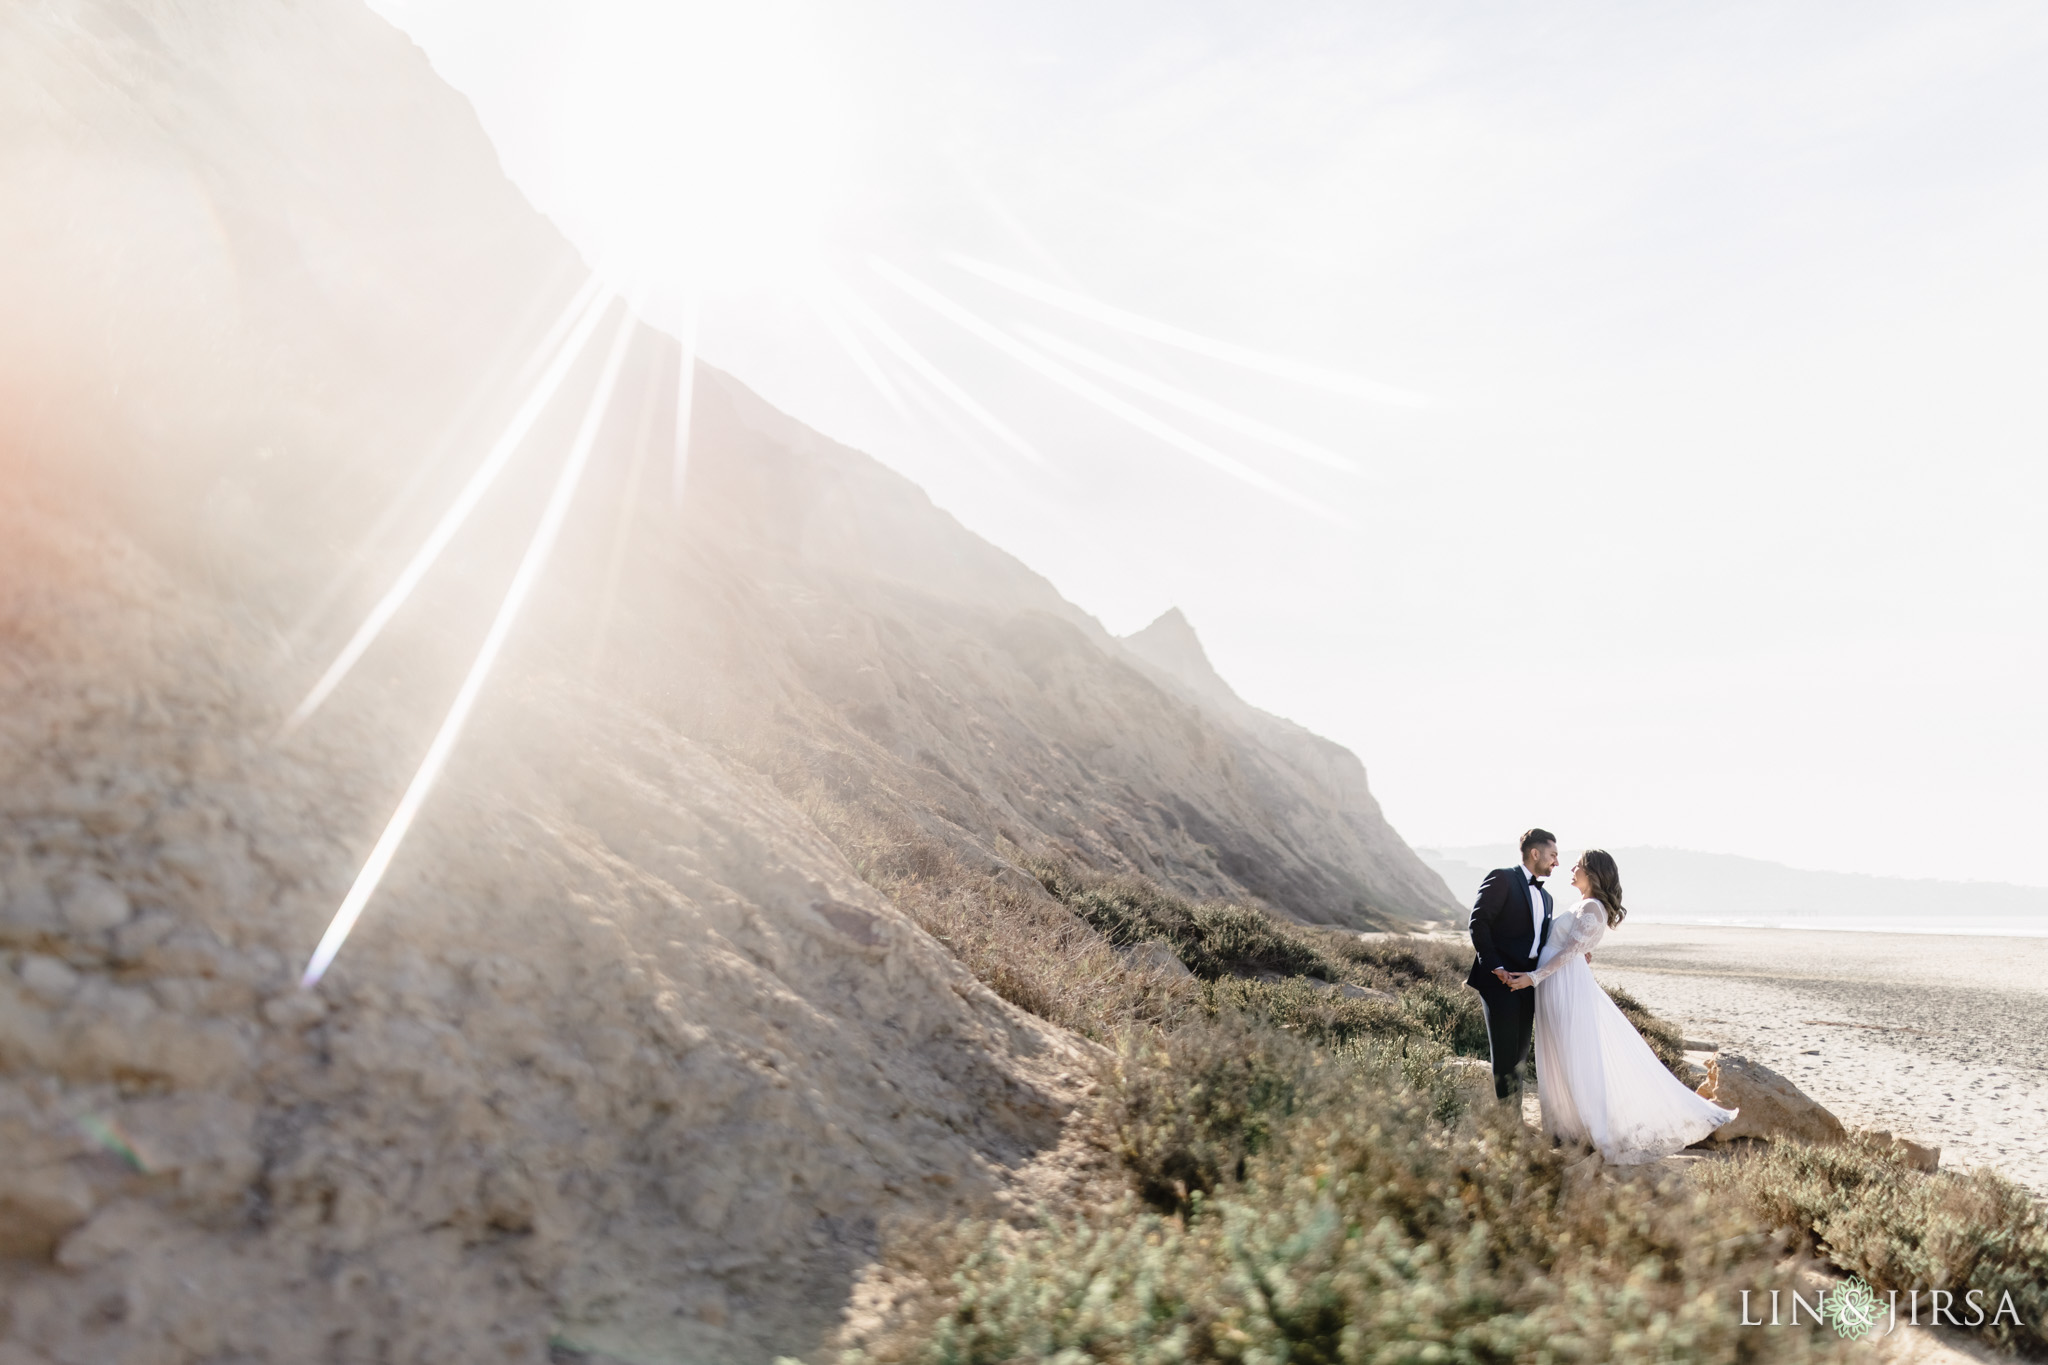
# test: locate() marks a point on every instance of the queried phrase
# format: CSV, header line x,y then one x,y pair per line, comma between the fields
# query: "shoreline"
x,y
1942,1041
1825,927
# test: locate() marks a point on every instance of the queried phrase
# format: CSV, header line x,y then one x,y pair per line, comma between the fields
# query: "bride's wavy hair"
x,y
1598,865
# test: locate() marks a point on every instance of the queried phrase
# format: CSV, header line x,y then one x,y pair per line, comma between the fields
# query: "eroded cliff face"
x,y
1317,795
846,635
626,1053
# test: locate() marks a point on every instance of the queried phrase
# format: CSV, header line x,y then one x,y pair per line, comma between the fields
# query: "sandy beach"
x,y
1940,1038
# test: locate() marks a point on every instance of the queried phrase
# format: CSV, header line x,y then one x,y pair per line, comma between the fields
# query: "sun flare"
x,y
702,145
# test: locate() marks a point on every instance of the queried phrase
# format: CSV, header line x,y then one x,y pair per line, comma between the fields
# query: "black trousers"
x,y
1510,1024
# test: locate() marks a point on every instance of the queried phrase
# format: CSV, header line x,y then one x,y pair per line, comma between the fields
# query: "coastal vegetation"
x,y
1311,1173
1861,1207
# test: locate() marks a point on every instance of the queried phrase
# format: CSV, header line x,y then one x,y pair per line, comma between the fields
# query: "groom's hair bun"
x,y
1536,838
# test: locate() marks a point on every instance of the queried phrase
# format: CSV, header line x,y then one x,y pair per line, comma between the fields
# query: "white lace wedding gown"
x,y
1597,1079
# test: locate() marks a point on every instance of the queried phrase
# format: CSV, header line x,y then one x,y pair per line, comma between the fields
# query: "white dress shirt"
x,y
1535,911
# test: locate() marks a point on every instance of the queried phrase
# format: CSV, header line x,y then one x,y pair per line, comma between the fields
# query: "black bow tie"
x,y
1535,881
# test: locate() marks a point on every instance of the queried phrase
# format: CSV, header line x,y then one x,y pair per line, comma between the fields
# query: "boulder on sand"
x,y
1772,1107
1918,1156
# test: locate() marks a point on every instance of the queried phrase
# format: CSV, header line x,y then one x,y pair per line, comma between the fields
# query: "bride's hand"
x,y
1519,981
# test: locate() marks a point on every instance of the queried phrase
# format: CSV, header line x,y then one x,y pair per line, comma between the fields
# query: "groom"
x,y
1510,921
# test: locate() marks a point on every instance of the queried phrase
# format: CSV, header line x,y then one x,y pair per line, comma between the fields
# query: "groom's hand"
x,y
1503,975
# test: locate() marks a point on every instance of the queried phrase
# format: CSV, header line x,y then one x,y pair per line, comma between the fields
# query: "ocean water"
x,y
2019,926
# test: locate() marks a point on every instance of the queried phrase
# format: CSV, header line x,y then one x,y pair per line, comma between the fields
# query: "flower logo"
x,y
1851,1309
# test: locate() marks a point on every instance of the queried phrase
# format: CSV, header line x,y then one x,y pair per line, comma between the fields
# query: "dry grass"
x,y
1024,945
1307,1182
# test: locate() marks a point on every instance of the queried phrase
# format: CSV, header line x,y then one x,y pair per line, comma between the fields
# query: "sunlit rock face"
x,y
934,681
627,1052
1315,798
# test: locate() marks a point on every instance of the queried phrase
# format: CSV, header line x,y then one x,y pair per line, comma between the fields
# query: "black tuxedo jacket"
x,y
1502,934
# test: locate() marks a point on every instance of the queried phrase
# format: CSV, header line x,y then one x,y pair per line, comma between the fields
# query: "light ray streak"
x,y
450,430
530,566
1185,401
686,393
1244,357
933,411
1052,265
1013,225
1094,393
451,521
580,301
932,375
836,324
629,501
925,408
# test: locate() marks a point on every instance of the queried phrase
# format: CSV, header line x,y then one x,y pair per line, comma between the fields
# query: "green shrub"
x,y
1394,963
1315,1014
1451,1015
1187,1109
1238,940
1213,940
1126,911
1427,1013
1365,1229
1859,1205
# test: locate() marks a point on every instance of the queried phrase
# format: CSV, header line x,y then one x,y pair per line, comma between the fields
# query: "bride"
x,y
1597,1079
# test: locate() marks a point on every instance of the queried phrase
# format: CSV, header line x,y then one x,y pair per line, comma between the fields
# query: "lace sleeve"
x,y
1585,928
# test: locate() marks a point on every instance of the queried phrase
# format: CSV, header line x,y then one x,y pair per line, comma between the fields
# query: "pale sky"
x,y
1715,526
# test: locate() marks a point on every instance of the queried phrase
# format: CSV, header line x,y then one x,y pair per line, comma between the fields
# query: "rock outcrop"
x,y
1772,1107
1154,957
1318,795
1919,1156
821,616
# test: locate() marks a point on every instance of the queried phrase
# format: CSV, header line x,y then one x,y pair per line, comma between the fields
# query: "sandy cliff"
x,y
837,628
1316,789
626,1053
